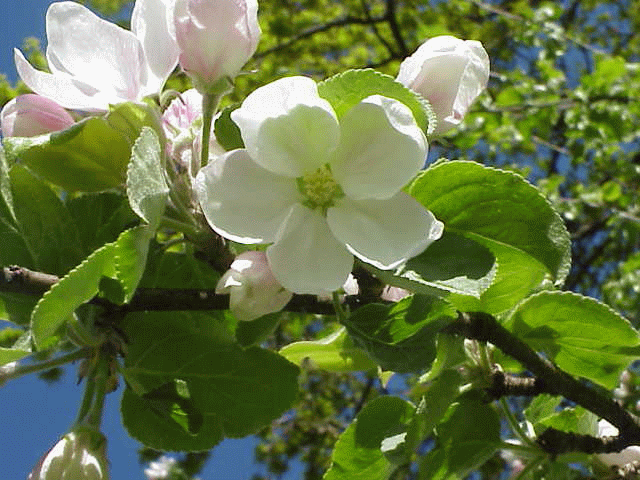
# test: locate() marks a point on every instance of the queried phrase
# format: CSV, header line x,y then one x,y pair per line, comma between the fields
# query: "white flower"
x,y
160,469
95,63
79,455
319,189
253,289
628,455
30,115
216,37
448,72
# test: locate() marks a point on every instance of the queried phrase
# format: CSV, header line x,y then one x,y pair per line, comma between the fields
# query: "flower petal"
x,y
381,149
306,257
241,200
96,52
384,233
287,128
152,24
65,90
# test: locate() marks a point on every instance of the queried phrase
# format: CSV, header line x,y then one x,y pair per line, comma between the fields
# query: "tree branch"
x,y
483,327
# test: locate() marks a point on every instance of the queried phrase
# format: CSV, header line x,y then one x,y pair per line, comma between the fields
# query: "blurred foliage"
x,y
562,107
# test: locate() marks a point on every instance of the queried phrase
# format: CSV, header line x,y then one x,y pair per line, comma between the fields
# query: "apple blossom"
x,y
30,115
215,37
182,124
160,469
95,63
450,73
320,190
628,455
79,455
253,289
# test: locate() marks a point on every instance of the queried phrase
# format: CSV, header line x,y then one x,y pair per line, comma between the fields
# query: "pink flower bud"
x,y
450,73
30,115
253,289
79,455
215,37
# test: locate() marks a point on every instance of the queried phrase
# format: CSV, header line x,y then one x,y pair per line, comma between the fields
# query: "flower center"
x,y
319,189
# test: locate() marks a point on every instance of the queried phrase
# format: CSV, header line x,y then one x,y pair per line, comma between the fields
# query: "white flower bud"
x,y
448,72
253,289
628,455
79,455
30,115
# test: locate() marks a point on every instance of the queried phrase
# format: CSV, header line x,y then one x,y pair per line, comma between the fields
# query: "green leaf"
x,y
43,236
453,264
256,331
380,425
449,354
436,398
177,270
400,337
77,287
575,420
146,186
347,89
504,213
6,197
101,217
581,335
130,257
467,437
235,390
226,131
91,155
334,353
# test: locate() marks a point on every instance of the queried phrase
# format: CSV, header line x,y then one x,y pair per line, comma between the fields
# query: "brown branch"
x,y
483,327
509,385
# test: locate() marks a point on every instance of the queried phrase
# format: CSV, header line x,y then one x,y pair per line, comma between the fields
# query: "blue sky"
x,y
35,414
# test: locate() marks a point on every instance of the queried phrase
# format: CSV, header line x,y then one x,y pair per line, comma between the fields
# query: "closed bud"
x,y
253,289
215,38
450,73
30,115
79,455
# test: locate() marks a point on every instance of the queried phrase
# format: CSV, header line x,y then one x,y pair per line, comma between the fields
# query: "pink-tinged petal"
x,y
152,24
96,52
241,200
381,149
30,115
384,233
306,257
287,128
216,38
448,72
65,90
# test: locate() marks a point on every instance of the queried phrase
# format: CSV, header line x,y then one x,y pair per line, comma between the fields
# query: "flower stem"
x,y
210,102
340,312
100,379
48,365
513,423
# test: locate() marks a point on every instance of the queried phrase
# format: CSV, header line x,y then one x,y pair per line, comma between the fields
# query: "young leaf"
x,y
235,390
380,427
347,89
77,287
581,335
146,186
400,337
334,353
